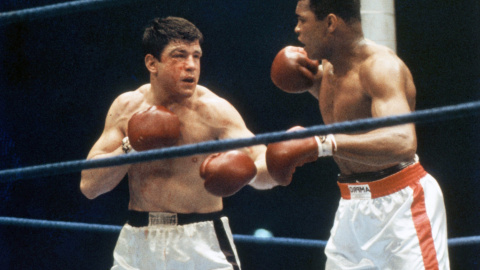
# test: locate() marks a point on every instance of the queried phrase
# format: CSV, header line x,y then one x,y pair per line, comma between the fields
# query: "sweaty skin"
x,y
359,79
171,185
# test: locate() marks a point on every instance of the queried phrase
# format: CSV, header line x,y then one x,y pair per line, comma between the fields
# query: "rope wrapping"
x,y
423,116
291,242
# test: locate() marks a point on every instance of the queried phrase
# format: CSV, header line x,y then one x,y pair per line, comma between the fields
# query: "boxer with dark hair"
x,y
391,214
175,219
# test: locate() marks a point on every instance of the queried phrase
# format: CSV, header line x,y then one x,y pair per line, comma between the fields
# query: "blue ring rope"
x,y
292,242
30,14
422,116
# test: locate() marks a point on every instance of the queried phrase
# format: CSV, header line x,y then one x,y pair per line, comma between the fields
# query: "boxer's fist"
x,y
228,172
155,127
283,157
292,71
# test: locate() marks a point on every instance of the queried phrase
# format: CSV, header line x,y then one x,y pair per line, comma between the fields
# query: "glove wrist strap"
x,y
327,145
126,146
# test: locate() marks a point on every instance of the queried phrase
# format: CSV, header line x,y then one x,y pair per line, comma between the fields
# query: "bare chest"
x,y
174,184
342,98
194,128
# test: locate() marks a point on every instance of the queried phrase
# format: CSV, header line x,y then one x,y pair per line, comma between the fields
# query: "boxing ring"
x,y
464,110
418,117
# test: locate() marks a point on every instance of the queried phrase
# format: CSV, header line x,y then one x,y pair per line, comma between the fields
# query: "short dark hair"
x,y
348,10
161,31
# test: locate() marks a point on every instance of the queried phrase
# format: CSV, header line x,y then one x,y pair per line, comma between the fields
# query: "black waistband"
x,y
373,176
141,219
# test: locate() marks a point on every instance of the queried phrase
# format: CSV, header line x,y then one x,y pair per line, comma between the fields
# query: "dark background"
x,y
59,75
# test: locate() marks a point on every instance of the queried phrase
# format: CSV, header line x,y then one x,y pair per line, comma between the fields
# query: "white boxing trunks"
x,y
154,240
397,222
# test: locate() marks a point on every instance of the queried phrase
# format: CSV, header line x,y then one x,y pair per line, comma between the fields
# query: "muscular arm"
x,y
95,182
390,87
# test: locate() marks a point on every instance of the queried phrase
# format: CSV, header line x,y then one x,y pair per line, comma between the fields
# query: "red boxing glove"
x,y
292,71
228,172
155,127
283,157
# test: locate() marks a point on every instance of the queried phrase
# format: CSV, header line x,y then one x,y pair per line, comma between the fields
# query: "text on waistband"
x,y
360,192
162,219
